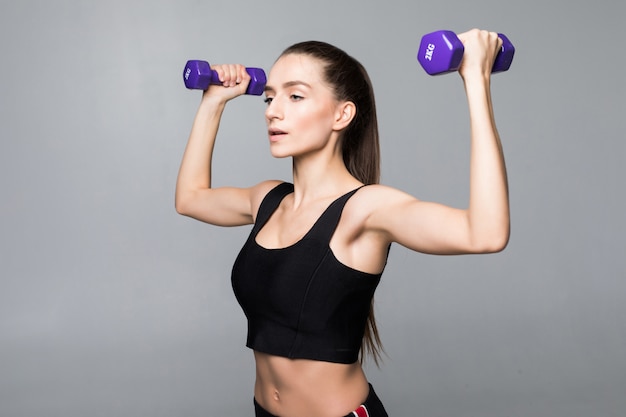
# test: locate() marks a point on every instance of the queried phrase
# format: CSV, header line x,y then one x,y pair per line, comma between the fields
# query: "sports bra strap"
x,y
325,226
323,229
270,203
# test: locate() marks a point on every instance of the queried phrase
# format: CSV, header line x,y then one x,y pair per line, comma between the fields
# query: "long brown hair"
x,y
359,141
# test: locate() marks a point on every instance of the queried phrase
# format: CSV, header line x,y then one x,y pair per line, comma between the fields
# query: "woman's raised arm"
x,y
484,225
195,197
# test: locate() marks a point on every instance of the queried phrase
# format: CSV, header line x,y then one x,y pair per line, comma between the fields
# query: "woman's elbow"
x,y
494,243
490,240
496,246
181,205
180,209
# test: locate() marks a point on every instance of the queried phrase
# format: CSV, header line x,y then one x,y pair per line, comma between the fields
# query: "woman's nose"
x,y
273,110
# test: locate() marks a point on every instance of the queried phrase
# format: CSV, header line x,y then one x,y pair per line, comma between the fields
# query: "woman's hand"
x,y
234,82
481,48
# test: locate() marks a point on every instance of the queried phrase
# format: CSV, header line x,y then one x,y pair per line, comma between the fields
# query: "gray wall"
x,y
111,304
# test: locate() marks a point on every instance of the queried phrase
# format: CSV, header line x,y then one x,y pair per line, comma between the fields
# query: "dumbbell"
x,y
198,75
441,52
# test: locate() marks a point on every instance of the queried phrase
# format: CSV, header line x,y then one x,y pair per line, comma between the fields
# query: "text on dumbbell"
x,y
429,52
187,73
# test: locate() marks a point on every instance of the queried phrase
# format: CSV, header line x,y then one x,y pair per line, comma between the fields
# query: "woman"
x,y
306,276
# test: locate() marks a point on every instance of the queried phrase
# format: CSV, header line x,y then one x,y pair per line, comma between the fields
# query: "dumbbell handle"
x,y
442,51
198,75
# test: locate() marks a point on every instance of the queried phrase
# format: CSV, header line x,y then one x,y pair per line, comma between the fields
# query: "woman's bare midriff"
x,y
302,387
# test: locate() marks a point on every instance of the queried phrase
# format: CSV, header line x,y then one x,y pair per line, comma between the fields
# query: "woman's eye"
x,y
268,100
296,97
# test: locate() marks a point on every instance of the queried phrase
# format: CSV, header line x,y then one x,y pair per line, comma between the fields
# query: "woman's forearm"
x,y
489,202
195,168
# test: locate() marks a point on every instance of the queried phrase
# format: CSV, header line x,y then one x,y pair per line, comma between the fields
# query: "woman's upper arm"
x,y
420,225
225,206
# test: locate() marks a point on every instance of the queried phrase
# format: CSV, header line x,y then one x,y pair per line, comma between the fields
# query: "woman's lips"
x,y
275,134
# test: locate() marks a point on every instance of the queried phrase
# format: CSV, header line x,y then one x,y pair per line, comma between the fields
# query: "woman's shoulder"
x,y
259,191
380,195
375,200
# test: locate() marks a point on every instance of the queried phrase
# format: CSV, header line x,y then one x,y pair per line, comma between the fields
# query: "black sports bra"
x,y
300,301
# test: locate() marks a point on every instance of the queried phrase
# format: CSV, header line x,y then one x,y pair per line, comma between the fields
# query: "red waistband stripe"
x,y
361,412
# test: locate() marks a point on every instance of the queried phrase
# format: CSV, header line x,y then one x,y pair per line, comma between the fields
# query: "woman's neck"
x,y
317,177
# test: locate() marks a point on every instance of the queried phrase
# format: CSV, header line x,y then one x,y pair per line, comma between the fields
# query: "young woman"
x,y
306,276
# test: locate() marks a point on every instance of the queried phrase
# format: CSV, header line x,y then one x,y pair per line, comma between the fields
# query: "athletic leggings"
x,y
372,407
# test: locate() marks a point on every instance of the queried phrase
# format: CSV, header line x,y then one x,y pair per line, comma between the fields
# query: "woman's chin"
x,y
279,153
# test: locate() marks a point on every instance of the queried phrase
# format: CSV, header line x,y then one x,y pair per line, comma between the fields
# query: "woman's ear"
x,y
346,111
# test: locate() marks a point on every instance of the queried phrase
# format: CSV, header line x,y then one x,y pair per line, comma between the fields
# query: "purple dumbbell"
x,y
441,52
198,75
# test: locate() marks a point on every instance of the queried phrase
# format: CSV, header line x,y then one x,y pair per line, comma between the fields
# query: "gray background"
x,y
111,304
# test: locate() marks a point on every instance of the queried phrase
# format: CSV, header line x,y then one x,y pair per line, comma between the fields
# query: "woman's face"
x,y
301,107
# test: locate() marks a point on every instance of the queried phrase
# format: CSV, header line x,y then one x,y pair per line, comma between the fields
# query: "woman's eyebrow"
x,y
287,85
